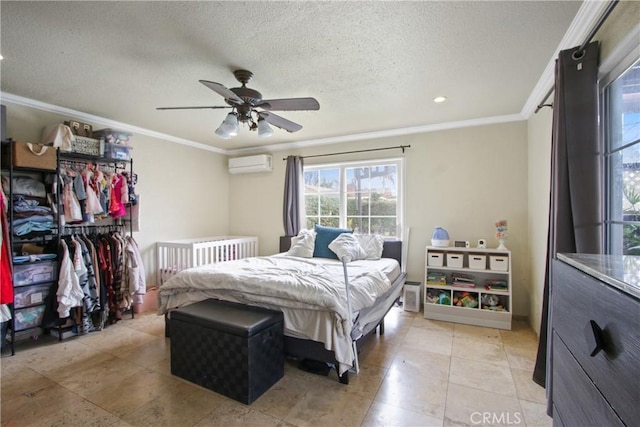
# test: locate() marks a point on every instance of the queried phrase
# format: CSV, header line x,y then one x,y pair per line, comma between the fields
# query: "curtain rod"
x,y
583,46
402,147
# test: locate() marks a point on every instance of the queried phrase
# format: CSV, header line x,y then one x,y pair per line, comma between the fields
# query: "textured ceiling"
x,y
373,66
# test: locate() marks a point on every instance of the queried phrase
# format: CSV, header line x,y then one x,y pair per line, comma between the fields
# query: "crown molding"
x,y
587,16
27,102
379,134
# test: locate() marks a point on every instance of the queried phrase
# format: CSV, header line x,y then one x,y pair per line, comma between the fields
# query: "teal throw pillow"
x,y
324,236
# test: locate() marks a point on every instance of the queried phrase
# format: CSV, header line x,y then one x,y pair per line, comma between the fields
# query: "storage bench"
x,y
230,348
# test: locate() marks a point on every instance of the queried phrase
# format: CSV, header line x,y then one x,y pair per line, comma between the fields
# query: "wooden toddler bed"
x,y
311,294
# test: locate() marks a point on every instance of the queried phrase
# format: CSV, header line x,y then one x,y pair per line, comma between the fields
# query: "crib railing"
x,y
178,255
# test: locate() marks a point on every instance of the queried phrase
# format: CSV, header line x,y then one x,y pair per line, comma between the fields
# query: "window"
x,y
621,103
363,196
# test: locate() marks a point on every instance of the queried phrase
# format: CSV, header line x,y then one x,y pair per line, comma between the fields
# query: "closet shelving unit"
x,y
67,158
32,296
30,290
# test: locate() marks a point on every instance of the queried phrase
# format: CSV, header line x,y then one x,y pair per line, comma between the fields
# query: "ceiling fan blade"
x,y
223,91
190,108
280,122
289,104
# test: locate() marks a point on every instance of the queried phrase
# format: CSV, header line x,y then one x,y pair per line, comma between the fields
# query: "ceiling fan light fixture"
x,y
221,133
230,124
264,130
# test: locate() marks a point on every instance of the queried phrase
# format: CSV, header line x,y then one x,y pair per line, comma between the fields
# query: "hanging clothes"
x,y
6,276
118,199
135,272
69,293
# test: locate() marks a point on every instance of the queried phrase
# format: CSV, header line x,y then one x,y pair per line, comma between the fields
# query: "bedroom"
x,y
510,155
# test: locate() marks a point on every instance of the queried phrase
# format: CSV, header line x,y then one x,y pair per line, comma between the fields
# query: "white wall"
x,y
461,179
183,190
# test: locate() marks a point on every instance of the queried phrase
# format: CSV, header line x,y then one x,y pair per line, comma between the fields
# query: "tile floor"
x,y
420,373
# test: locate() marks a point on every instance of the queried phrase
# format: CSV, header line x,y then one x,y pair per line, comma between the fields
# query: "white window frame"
x,y
398,161
614,239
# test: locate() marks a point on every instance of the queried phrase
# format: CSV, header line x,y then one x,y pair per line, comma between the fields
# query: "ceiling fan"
x,y
247,106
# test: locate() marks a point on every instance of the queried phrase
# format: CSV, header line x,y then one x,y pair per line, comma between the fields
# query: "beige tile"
x,y
150,353
483,376
470,407
128,393
18,379
527,389
420,364
117,339
162,367
54,360
279,399
535,414
326,406
478,333
183,404
80,413
36,404
436,325
477,350
99,376
521,358
434,341
520,335
150,323
382,415
417,388
379,353
365,384
231,413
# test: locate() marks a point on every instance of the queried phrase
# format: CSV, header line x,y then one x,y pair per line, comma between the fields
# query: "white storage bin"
x,y
411,296
455,260
435,259
499,263
477,261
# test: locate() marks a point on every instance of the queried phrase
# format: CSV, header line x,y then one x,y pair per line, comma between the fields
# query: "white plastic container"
x,y
435,259
477,262
455,260
499,263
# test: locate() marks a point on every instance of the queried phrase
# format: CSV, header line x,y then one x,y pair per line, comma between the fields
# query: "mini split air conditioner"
x,y
251,164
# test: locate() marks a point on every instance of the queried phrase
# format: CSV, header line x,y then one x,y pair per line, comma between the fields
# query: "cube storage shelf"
x,y
468,285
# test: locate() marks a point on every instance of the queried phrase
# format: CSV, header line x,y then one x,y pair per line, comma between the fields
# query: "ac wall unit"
x,y
251,164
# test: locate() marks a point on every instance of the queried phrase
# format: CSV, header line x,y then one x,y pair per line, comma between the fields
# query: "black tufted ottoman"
x,y
232,349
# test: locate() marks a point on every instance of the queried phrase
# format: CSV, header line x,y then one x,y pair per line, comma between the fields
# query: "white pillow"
x,y
371,244
346,246
302,245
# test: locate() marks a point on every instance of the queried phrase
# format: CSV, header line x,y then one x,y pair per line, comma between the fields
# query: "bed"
x,y
309,292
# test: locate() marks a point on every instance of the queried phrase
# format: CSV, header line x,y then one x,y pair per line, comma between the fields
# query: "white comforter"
x,y
286,283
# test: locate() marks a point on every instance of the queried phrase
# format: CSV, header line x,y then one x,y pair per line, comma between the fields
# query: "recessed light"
x,y
439,99
1,57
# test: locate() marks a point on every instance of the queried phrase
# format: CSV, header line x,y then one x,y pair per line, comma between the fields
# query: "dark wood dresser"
x,y
595,321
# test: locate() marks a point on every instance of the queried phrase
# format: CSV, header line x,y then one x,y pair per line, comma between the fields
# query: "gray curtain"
x,y
293,212
576,205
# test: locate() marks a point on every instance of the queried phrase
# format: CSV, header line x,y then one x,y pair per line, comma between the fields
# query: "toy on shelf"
x,y
492,302
465,299
444,298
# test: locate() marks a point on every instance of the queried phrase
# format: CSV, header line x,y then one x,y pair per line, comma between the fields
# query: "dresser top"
x,y
620,271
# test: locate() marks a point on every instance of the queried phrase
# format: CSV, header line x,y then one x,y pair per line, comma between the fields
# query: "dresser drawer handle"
x,y
593,335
